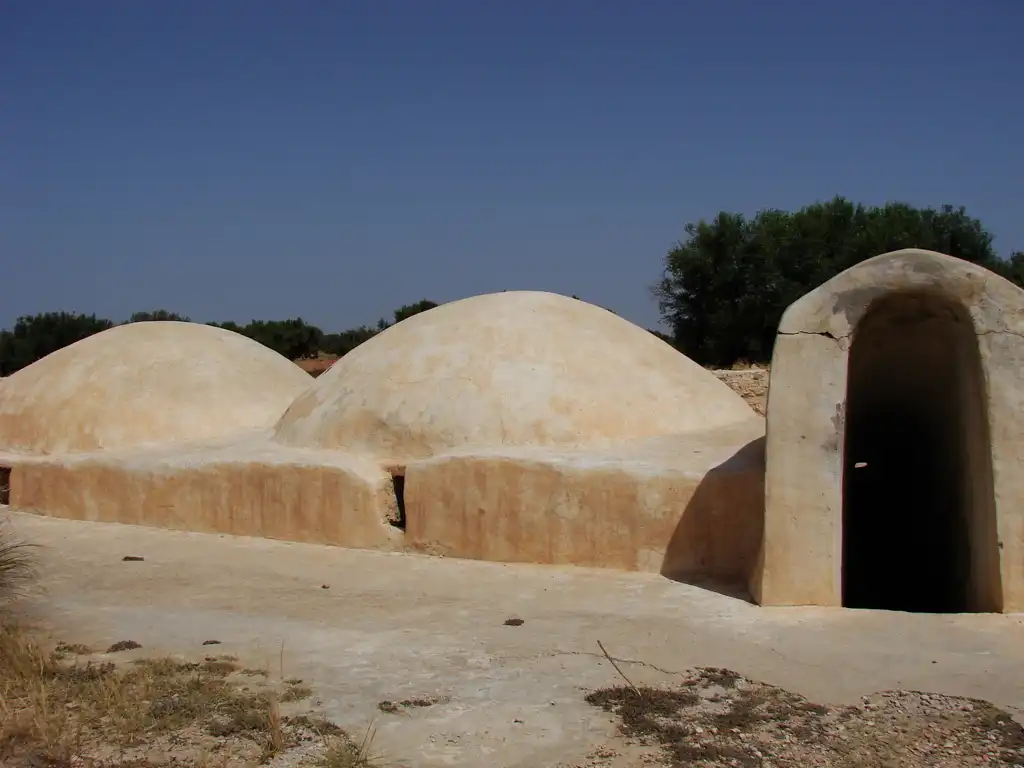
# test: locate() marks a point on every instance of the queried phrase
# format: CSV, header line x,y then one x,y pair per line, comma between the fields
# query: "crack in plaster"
x,y
826,334
840,339
1001,332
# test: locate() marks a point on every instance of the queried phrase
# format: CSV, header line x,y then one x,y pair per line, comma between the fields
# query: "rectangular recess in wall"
x,y
5,485
398,485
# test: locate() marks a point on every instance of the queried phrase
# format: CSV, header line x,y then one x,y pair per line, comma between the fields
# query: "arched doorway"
x,y
918,520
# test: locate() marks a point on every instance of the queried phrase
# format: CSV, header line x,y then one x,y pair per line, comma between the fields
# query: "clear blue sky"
x,y
232,159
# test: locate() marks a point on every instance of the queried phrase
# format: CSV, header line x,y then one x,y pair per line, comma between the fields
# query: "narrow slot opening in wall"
x,y
5,485
398,485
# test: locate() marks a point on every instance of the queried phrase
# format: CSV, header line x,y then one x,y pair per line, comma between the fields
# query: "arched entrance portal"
x,y
918,508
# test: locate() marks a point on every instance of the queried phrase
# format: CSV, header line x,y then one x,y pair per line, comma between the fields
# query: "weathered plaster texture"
x,y
144,383
528,427
243,489
520,368
687,506
801,557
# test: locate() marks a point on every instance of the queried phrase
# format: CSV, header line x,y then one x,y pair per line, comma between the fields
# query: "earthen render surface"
x,y
528,427
513,369
942,306
517,427
144,383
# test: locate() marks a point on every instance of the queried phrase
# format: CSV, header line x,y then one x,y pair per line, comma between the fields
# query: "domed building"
x,y
519,368
145,383
531,427
518,427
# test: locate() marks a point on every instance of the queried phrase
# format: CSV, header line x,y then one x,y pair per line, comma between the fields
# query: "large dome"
x,y
144,383
516,368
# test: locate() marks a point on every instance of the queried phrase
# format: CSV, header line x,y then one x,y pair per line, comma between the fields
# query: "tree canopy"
x,y
35,337
726,285
295,339
156,315
413,309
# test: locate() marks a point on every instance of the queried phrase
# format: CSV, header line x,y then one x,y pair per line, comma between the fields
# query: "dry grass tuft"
x,y
58,711
52,710
61,706
17,563
344,753
295,692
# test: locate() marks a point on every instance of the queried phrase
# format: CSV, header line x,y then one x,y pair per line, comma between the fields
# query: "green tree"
x,y
663,336
413,309
157,315
1012,268
295,339
725,286
34,337
229,325
342,343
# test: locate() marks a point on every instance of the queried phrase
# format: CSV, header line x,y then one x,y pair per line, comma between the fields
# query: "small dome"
x,y
145,383
516,368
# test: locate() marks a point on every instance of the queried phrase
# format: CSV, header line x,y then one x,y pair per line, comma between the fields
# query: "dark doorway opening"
x,y
5,485
398,485
919,529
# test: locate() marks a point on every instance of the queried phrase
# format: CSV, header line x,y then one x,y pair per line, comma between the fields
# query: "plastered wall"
x,y
801,553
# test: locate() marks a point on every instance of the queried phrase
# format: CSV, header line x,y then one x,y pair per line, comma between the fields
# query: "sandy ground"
x,y
366,627
316,365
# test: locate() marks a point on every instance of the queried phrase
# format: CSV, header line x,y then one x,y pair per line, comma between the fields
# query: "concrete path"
x,y
394,627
